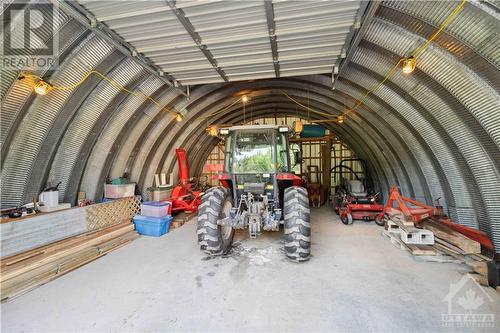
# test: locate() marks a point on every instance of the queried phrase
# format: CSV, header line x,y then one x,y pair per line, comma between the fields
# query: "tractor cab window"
x,y
228,153
253,152
282,151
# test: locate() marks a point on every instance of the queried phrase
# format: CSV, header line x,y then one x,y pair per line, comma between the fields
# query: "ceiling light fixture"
x,y
213,130
178,117
244,98
409,64
42,87
340,119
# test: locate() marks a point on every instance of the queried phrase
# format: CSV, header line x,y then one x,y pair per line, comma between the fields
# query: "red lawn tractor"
x,y
353,201
358,205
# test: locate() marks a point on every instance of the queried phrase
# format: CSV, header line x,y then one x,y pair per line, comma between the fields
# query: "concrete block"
x,y
417,236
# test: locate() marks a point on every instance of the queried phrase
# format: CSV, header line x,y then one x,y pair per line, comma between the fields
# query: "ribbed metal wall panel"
x,y
43,111
424,127
481,100
425,162
68,152
477,97
157,122
8,75
472,26
467,55
20,92
111,131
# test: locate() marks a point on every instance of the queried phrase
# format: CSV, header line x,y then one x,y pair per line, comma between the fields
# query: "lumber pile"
x,y
27,270
449,245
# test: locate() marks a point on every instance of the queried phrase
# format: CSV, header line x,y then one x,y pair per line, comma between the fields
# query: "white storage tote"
x,y
155,208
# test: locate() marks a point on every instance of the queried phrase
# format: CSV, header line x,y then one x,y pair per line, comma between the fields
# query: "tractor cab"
x,y
255,157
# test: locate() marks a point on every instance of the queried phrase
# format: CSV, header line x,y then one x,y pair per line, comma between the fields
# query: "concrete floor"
x,y
357,281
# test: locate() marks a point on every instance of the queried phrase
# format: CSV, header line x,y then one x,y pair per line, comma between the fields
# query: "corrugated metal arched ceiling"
x,y
435,133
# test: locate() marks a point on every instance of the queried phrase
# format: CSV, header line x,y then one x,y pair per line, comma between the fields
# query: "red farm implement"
x,y
186,196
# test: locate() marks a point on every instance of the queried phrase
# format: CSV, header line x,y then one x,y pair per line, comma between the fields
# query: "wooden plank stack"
x,y
450,246
27,270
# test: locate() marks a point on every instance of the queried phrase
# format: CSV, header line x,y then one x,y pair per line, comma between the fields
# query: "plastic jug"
x,y
49,198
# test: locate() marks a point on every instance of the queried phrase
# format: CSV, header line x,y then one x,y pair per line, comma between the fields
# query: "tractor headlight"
x,y
283,129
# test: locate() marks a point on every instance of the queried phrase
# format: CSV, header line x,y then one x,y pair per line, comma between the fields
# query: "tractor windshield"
x,y
253,152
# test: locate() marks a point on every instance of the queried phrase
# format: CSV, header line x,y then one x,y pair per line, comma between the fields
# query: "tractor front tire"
x,y
297,224
213,238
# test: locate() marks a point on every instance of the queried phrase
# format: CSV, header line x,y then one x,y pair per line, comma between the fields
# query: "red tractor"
x,y
258,192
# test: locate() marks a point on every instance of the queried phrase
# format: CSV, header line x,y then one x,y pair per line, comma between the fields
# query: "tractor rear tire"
x,y
297,235
213,238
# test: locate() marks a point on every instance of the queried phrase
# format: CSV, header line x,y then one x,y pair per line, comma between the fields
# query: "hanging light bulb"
x,y
213,130
178,117
409,64
244,98
298,126
42,87
340,119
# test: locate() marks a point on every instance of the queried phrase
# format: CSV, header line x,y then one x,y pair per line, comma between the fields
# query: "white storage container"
x,y
161,193
155,208
119,191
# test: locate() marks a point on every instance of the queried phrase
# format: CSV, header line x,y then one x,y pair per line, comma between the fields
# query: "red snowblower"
x,y
186,196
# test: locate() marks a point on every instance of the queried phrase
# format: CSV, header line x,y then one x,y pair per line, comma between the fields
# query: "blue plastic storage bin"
x,y
152,226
